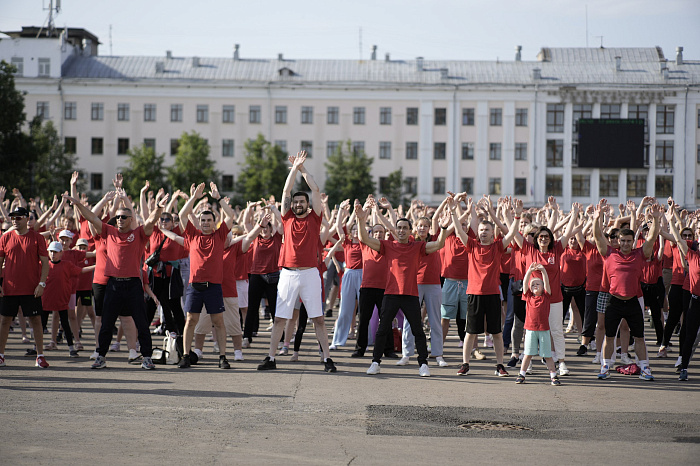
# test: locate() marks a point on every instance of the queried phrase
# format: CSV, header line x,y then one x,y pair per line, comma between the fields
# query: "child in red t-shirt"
x,y
537,299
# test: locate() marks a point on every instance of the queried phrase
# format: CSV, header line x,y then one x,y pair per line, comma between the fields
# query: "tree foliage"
x,y
192,163
349,175
52,170
16,153
144,165
263,172
394,189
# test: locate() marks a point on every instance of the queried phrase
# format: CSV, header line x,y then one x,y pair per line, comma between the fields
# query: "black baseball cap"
x,y
19,212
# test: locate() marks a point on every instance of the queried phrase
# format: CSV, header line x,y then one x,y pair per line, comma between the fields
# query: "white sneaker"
x,y
246,343
441,361
424,371
592,346
238,355
94,355
114,347
133,355
216,347
678,362
333,347
528,371
563,370
199,353
403,361
596,360
374,369
488,341
625,359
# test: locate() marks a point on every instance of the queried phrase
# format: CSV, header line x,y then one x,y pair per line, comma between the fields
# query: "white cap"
x,y
66,233
55,246
82,242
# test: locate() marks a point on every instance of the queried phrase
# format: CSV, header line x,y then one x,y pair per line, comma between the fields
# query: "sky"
x,y
334,29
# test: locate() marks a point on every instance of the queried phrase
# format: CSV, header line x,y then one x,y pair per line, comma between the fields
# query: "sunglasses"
x,y
166,219
122,217
687,236
613,237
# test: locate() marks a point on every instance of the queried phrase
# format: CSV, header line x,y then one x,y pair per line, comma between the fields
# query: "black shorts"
x,y
505,281
480,306
85,297
99,292
629,310
31,306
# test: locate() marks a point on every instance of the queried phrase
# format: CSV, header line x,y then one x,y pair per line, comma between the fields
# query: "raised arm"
x,y
598,236
297,161
362,232
515,226
682,245
443,224
196,194
648,247
88,214
224,204
174,237
150,222
316,203
143,203
571,225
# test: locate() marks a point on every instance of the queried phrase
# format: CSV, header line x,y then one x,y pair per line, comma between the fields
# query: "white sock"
x,y
198,352
272,358
523,373
552,375
71,348
607,362
644,364
598,353
40,355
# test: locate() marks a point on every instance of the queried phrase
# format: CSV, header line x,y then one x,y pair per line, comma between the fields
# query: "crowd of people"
x,y
495,268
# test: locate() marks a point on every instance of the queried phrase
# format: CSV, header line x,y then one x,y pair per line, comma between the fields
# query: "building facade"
x,y
501,128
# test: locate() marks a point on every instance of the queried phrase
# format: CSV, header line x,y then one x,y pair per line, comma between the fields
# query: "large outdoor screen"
x,y
610,143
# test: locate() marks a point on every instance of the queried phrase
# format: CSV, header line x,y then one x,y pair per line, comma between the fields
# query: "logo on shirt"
x,y
550,260
131,238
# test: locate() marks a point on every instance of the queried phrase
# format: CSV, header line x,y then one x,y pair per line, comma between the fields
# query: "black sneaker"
x,y
582,350
513,362
357,354
463,369
267,364
329,313
223,363
184,362
31,352
329,366
501,371
391,355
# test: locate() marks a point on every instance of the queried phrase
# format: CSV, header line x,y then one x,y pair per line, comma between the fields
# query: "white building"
x,y
483,127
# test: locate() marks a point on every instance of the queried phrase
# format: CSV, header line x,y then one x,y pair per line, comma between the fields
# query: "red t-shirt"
x,y
678,270
85,279
206,254
240,271
552,264
693,258
667,262
59,284
171,251
124,251
625,272
375,268
232,256
99,276
594,267
651,270
537,316
517,263
484,267
353,254
301,240
74,256
506,259
266,254
429,268
22,265
573,267
403,260
455,259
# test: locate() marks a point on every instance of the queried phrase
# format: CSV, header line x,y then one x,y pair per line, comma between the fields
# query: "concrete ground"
x,y
298,414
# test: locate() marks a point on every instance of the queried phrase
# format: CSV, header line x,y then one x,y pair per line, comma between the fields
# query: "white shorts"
x,y
242,289
232,319
299,284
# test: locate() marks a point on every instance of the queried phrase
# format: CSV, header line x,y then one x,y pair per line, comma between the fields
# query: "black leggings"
x,y
259,286
590,315
411,311
675,311
691,324
369,298
579,297
65,324
654,299
172,308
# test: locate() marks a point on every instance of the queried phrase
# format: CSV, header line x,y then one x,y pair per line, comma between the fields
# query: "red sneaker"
x,y
2,361
41,362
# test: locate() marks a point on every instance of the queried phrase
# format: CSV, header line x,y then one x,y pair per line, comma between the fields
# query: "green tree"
x,y
394,189
192,163
144,165
52,170
349,175
263,172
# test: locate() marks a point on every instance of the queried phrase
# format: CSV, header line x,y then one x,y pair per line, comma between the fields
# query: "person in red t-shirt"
x,y
402,284
537,296
24,256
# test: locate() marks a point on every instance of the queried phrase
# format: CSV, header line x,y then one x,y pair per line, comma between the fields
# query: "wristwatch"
x,y
42,284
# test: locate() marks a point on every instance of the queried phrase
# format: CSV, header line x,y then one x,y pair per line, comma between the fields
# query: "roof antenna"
x,y
601,41
51,26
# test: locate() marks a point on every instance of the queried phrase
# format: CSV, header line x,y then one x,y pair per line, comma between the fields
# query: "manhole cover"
x,y
481,425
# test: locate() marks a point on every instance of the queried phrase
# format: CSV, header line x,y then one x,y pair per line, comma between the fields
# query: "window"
x,y
227,182
580,185
150,143
410,184
227,148
282,145
385,115
385,150
555,153
440,116
281,115
307,115
664,154
467,151
358,147
308,146
467,117
581,111
521,151
697,189
636,185
97,146
174,146
122,146
520,186
555,118
494,186
520,117
412,151
468,185
96,181
698,154
149,112
495,116
254,114
176,112
640,112
70,110
42,110
70,145
97,111
439,150
412,116
358,116
332,115
664,119
610,110
331,147
608,185
18,62
44,67
202,113
228,114
122,112
495,151
439,185
553,185
664,186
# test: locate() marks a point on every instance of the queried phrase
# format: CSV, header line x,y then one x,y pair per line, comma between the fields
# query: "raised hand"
x,y
198,191
74,178
118,180
214,191
359,211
